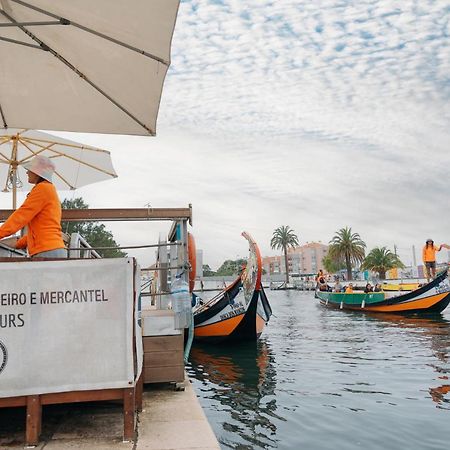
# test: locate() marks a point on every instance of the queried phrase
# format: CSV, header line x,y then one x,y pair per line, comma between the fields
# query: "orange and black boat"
x,y
240,311
433,297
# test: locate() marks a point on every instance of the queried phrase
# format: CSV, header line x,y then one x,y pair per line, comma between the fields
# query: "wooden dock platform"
x,y
169,420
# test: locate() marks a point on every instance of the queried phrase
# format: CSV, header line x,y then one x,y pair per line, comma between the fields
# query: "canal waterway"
x,y
328,379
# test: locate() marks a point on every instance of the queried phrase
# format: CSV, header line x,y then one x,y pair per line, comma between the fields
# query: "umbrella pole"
x,y
14,171
14,193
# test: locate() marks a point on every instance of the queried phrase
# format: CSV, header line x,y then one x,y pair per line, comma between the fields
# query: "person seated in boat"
x,y
429,258
349,289
377,288
40,213
337,286
322,285
368,288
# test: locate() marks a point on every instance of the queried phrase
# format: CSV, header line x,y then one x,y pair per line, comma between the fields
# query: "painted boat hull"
x,y
233,321
433,297
241,311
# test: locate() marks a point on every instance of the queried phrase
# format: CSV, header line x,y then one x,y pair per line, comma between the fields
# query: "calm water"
x,y
328,379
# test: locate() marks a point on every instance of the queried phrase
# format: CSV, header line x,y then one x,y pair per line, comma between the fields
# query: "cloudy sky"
x,y
316,115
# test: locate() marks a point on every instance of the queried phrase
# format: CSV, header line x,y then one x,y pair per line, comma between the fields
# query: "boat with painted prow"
x,y
430,298
240,311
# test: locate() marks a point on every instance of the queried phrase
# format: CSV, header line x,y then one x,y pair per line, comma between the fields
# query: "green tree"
x,y
95,234
380,260
348,248
207,271
282,238
331,265
231,267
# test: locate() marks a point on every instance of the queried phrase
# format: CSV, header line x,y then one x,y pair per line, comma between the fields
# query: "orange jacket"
x,y
41,213
429,253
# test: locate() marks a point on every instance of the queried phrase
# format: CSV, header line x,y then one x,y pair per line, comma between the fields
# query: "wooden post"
x,y
129,408
34,419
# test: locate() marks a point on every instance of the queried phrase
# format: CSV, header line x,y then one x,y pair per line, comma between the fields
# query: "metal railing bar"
x,y
124,248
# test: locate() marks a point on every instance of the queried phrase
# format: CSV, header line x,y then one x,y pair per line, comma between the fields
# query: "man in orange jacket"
x,y
40,213
429,258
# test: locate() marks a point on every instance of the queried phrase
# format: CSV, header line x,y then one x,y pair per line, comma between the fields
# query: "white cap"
x,y
42,166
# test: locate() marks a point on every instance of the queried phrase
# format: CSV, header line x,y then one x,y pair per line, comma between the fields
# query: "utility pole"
x,y
414,256
395,250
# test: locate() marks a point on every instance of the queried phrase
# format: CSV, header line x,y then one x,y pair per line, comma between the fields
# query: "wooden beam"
x,y
129,416
118,214
34,420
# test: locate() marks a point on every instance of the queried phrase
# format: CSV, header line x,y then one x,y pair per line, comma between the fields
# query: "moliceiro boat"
x,y
240,311
430,298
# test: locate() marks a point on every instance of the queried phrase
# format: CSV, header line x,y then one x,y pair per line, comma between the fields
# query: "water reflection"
x,y
240,380
437,330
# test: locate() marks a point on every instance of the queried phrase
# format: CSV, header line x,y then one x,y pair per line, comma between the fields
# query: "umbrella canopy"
x,y
76,165
82,65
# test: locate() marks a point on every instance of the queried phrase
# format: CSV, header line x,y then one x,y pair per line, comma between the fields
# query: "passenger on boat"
x,y
322,285
377,288
337,286
368,288
319,275
429,258
40,213
349,289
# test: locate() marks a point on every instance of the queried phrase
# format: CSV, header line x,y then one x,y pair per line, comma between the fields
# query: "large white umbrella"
x,y
84,65
76,165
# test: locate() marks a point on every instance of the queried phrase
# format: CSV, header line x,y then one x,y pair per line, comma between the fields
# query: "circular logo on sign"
x,y
3,356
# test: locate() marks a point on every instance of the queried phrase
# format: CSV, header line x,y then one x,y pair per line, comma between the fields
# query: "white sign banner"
x,y
66,326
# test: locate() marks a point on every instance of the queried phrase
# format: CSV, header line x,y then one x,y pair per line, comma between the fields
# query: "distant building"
x,y
303,259
199,264
271,264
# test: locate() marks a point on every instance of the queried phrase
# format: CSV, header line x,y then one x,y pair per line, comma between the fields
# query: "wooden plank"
x,y
33,421
82,396
12,402
163,374
162,343
129,408
123,214
161,359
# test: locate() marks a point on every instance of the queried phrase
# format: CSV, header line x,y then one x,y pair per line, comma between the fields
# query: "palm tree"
x,y
380,260
283,238
347,247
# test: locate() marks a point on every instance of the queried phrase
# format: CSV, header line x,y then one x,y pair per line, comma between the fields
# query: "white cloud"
x,y
316,115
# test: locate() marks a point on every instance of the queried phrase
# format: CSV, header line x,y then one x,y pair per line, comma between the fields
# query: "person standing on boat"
x,y
322,284
320,279
429,258
40,213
